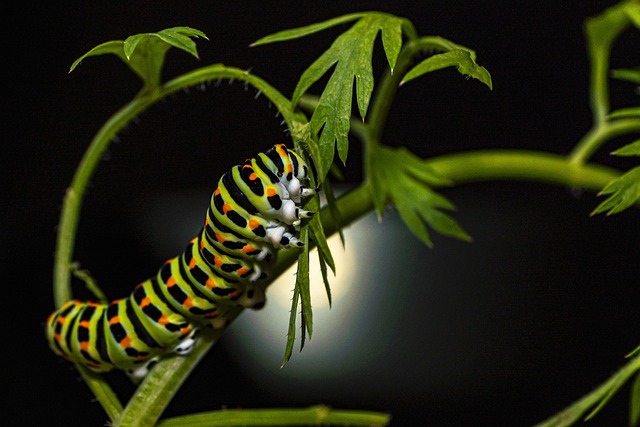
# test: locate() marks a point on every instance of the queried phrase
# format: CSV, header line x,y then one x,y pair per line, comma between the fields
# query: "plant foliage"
x,y
393,176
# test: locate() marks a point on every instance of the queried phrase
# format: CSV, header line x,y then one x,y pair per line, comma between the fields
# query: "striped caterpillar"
x,y
253,213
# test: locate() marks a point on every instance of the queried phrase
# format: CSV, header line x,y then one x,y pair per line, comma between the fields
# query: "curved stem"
x,y
73,199
75,193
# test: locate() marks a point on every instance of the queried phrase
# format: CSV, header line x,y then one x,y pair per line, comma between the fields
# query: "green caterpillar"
x,y
253,212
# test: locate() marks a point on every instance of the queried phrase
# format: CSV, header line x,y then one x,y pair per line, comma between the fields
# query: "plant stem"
x,y
73,199
483,165
600,134
322,415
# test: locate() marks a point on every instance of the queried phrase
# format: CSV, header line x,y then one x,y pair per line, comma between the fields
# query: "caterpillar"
x,y
254,212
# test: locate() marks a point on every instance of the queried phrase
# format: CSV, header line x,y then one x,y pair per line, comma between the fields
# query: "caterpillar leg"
x,y
138,373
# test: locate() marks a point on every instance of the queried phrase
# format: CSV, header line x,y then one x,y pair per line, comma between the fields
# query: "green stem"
x,y
73,199
484,165
599,135
315,415
156,391
601,32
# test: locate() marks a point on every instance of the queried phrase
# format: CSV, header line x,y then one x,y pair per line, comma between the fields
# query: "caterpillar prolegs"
x,y
253,212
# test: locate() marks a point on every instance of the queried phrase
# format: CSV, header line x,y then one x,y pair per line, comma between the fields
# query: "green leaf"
x,y
460,58
145,53
299,32
351,55
399,177
623,191
291,332
629,75
632,149
625,113
634,402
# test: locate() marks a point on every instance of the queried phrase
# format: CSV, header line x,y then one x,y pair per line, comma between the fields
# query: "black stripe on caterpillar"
x,y
253,212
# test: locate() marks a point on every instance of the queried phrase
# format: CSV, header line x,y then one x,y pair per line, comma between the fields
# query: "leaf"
x,y
299,32
459,58
302,283
399,177
301,293
630,75
625,113
632,149
291,332
351,55
634,402
144,53
624,192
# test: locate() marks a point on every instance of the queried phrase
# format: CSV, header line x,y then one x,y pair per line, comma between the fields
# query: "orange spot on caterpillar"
x,y
253,224
126,342
217,261
84,345
216,192
185,331
171,281
253,176
248,248
61,320
163,320
145,302
226,208
85,324
271,192
192,263
188,303
114,320
243,271
210,283
219,238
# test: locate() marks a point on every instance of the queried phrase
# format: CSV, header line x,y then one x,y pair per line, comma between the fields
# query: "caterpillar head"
x,y
295,173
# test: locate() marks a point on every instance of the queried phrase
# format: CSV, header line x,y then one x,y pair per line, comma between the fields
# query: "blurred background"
x,y
540,308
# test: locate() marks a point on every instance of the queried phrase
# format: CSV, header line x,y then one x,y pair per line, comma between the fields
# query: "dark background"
x,y
533,314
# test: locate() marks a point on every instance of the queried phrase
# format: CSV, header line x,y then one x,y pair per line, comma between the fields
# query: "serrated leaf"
x,y
351,55
302,283
624,192
634,402
325,278
399,177
632,149
145,53
459,58
291,331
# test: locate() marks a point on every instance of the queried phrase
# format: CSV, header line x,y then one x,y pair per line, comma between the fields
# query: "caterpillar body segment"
x,y
253,212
